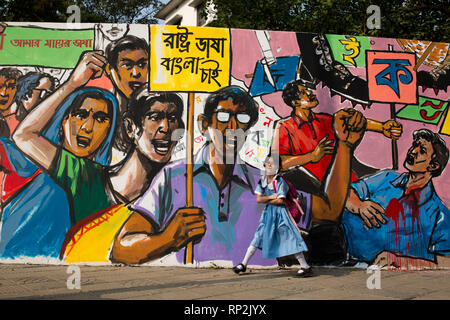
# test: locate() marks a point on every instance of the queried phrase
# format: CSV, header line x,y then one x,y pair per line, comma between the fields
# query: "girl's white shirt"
x,y
264,182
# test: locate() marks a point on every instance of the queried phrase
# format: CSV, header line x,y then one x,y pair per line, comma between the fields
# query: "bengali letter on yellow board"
x,y
183,58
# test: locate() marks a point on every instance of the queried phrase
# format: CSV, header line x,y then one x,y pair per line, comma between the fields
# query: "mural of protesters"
x,y
306,138
150,122
86,120
100,143
160,224
222,216
32,88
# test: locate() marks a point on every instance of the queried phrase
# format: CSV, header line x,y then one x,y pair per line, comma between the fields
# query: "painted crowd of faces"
x,y
85,128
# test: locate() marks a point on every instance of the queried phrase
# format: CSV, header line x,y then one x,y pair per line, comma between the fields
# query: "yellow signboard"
x,y
445,129
195,59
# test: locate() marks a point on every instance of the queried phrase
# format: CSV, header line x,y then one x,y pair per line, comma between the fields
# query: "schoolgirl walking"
x,y
277,234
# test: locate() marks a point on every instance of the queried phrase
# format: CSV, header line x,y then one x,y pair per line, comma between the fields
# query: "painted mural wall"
x,y
143,144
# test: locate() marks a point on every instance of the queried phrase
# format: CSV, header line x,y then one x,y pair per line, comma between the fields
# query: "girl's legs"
x,y
305,269
301,259
248,255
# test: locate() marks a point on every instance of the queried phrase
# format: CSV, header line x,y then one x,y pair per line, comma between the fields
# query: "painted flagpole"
x,y
393,141
189,251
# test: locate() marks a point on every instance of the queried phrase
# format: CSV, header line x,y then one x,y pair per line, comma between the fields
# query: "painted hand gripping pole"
x,y
146,145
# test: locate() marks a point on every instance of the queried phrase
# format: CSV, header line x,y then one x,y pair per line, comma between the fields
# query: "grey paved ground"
x,y
182,283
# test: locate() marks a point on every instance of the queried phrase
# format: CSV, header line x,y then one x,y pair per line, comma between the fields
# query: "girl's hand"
x,y
272,197
265,199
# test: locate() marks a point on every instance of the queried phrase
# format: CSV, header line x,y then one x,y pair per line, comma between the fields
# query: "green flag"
x,y
349,50
428,110
33,46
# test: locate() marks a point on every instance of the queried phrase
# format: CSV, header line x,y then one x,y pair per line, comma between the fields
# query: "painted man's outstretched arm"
x,y
140,239
391,129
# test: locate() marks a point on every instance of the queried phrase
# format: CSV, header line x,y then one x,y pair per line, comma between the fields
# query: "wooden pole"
x,y
189,251
394,142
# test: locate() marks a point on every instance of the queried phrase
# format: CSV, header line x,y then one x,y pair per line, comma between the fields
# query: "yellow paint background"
x,y
162,80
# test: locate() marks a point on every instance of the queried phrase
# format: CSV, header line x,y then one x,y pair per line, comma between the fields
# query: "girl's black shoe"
x,y
239,268
304,273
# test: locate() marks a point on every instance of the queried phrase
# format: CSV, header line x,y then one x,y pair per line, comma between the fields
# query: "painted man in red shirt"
x,y
307,139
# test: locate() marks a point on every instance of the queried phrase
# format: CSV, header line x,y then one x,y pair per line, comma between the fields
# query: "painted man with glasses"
x,y
223,191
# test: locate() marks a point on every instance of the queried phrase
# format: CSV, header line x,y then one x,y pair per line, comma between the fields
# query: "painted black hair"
x,y
239,97
291,91
128,42
25,86
10,73
441,153
141,101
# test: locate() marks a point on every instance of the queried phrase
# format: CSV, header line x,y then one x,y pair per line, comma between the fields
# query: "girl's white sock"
x,y
301,259
250,252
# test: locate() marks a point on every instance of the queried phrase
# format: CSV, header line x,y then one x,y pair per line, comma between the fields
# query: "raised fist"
x,y
392,129
349,126
90,66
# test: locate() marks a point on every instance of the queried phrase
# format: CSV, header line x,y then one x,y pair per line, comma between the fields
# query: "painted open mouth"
x,y
230,140
134,85
114,31
161,146
83,142
4,101
233,140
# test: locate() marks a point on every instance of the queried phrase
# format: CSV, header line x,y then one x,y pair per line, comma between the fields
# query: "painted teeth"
x,y
83,142
161,146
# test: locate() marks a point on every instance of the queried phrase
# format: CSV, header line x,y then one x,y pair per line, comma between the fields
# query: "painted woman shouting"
x,y
85,118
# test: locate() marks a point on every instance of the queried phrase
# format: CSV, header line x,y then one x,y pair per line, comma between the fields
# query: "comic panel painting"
x,y
174,145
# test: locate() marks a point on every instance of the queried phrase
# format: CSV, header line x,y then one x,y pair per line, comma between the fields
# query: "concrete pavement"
x,y
50,282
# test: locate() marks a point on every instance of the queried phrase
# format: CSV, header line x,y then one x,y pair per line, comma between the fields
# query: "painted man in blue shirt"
x,y
396,218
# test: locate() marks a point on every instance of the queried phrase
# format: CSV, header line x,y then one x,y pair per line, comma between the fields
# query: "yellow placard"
x,y
194,59
445,129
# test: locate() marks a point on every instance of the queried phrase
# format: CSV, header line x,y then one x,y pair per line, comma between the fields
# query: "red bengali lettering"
x,y
2,35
